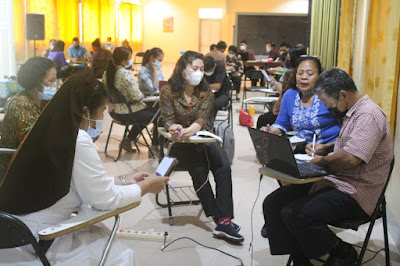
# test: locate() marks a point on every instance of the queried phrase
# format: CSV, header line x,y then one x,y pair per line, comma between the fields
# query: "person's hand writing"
x,y
316,160
186,133
174,129
320,149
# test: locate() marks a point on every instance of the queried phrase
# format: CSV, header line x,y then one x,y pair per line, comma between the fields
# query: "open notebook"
x,y
203,134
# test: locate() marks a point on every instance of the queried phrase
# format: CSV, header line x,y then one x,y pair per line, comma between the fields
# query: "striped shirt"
x,y
365,134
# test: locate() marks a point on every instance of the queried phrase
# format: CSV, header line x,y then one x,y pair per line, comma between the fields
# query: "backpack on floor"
x,y
225,132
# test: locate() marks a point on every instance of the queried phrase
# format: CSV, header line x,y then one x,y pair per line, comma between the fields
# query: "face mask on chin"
x,y
194,78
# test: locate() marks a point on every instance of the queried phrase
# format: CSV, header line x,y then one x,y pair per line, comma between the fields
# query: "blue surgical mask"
x,y
157,63
48,93
129,64
94,132
208,73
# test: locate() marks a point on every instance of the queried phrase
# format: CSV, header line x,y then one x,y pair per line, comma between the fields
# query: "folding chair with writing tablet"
x,y
165,135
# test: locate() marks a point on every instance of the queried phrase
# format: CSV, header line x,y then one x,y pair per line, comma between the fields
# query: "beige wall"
x,y
186,20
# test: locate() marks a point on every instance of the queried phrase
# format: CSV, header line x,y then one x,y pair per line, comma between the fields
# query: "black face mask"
x,y
339,115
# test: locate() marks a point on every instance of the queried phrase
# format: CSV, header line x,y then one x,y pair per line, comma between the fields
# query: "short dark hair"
x,y
109,38
332,81
96,43
272,44
31,73
314,59
233,48
212,47
97,98
295,54
177,79
75,39
209,62
221,45
243,42
59,46
284,44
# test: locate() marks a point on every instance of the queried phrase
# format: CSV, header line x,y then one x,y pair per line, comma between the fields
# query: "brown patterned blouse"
x,y
176,110
21,114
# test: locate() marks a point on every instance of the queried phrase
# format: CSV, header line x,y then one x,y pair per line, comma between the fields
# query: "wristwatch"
x,y
323,163
122,178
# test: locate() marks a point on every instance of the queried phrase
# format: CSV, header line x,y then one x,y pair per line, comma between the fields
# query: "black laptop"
x,y
276,152
245,56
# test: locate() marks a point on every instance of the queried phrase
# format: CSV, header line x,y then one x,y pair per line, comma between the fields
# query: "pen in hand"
x,y
313,145
179,133
168,184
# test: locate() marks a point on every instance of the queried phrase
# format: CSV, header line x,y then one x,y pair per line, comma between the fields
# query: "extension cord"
x,y
142,235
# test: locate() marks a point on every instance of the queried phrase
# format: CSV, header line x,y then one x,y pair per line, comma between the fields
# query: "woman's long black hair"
x,y
177,80
119,54
155,52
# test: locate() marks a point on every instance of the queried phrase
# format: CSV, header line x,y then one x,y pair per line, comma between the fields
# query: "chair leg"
x,y
147,145
110,240
365,244
385,233
108,138
171,219
122,142
289,262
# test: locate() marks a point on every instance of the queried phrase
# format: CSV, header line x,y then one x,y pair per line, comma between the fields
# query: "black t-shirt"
x,y
219,76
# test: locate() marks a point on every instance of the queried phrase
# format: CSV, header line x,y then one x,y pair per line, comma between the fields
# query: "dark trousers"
x,y
142,118
198,159
298,222
236,80
220,102
253,81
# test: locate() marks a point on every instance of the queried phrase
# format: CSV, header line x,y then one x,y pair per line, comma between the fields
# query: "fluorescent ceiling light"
x,y
211,13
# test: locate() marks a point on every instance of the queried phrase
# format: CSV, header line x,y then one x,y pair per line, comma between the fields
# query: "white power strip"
x,y
142,235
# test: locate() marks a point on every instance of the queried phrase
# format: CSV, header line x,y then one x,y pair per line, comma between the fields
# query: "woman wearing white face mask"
x,y
37,76
120,81
186,104
151,74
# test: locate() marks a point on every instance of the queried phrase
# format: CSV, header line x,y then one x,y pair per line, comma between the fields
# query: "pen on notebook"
x,y
313,145
179,133
169,184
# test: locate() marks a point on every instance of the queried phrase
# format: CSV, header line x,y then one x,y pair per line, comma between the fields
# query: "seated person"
x,y
120,81
77,52
69,174
57,55
234,60
213,47
284,47
38,78
185,104
251,56
297,216
219,83
100,59
271,51
218,53
108,45
48,50
303,111
287,81
150,74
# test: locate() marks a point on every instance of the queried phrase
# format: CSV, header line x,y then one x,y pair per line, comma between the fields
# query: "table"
x,y
287,178
261,64
193,139
266,101
151,93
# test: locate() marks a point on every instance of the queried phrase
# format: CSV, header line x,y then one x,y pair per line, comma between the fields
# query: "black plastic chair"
x,y
379,212
118,97
14,233
137,61
228,107
248,76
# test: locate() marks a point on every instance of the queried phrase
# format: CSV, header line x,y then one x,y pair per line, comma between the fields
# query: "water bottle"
x,y
252,111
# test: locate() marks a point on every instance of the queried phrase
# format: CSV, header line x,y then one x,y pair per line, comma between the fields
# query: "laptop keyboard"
x,y
307,170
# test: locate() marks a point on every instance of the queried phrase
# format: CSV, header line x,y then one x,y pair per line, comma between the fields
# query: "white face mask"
x,y
51,47
242,47
48,92
129,64
94,132
268,49
194,78
157,63
231,55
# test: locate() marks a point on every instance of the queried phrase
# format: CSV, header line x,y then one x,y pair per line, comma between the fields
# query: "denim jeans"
x,y
298,222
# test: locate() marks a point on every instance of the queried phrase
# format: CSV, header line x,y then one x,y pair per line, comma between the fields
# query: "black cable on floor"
x,y
223,252
251,223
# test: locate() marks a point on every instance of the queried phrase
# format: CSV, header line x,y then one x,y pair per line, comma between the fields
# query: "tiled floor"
x,y
191,222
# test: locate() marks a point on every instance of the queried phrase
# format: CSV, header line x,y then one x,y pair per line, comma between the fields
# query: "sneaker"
x,y
228,232
126,145
236,226
350,258
264,232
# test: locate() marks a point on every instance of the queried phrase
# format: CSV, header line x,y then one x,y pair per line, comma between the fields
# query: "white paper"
x,y
304,157
206,134
296,139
